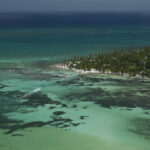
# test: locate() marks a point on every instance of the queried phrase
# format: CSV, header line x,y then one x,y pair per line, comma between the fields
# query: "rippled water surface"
x,y
72,111
109,109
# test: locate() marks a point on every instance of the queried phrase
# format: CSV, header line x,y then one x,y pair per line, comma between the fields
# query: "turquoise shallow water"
x,y
109,108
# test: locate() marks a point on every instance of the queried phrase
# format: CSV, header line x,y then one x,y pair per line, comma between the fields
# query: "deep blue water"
x,y
71,19
67,34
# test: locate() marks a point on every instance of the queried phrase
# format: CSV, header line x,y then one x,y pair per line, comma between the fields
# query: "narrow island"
x,y
128,63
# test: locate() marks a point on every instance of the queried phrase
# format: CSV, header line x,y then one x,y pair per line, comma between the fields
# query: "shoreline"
x,y
126,63
94,71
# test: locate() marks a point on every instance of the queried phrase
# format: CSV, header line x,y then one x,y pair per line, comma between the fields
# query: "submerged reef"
x,y
10,125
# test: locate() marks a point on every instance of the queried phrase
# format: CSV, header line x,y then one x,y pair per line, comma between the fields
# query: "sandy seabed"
x,y
101,109
51,138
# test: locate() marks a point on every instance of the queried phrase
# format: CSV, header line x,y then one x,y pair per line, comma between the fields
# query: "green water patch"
x,y
107,99
142,127
40,100
13,113
2,86
57,122
9,102
71,82
95,105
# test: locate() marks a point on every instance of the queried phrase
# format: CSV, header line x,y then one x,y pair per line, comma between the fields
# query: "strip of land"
x,y
128,63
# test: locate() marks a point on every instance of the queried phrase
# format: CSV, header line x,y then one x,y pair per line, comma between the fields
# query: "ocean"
x,y
47,35
71,111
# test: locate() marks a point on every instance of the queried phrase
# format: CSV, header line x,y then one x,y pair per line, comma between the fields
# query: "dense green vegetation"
x,y
131,62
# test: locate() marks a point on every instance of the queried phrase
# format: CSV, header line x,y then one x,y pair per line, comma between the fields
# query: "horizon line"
x,y
74,12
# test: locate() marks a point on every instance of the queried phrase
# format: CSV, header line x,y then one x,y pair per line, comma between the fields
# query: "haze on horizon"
x,y
75,5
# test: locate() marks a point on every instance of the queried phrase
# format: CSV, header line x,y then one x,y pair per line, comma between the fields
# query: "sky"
x,y
75,5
